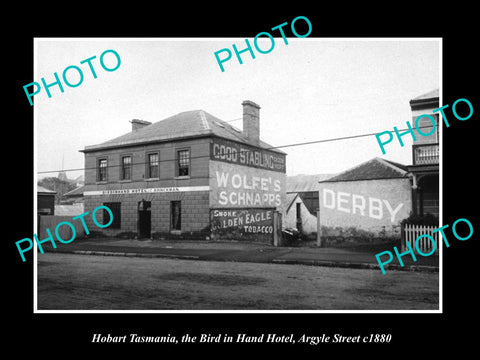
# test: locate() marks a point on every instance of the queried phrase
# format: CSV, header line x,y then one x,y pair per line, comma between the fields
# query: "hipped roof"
x,y
186,124
375,168
75,192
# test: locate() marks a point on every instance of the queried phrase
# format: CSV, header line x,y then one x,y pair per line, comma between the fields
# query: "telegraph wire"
x,y
269,148
322,141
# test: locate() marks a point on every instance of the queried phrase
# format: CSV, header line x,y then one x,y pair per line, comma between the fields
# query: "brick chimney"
x,y
251,121
138,124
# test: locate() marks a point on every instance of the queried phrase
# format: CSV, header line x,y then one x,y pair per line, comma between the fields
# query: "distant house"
x,y
80,180
426,156
74,196
45,201
369,199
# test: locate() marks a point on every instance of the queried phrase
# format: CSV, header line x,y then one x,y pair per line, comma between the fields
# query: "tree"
x,y
59,186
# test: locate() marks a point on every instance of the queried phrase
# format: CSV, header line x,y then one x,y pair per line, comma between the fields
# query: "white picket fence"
x,y
412,232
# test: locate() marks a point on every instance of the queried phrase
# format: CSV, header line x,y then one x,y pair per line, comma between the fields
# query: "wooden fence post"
x,y
275,229
402,236
319,229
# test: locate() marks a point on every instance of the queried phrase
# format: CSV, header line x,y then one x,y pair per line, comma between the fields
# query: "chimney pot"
x,y
251,121
138,124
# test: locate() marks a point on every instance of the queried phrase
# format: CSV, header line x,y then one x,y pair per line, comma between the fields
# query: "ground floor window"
x,y
176,215
115,207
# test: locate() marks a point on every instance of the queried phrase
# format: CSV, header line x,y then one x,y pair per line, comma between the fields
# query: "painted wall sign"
x,y
360,205
242,224
147,190
241,154
238,186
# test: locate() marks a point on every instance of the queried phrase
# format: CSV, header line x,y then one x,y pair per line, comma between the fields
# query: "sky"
x,y
311,89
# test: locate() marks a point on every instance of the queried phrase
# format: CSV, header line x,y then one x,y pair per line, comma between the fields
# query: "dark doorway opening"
x,y
299,217
144,226
176,216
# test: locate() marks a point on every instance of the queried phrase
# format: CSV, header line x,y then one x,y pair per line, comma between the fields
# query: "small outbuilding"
x,y
45,201
302,203
301,215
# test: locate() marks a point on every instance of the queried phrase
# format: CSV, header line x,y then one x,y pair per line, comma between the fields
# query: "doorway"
x,y
175,216
144,225
299,216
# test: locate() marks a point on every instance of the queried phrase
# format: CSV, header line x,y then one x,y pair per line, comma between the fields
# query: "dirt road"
x,y
78,282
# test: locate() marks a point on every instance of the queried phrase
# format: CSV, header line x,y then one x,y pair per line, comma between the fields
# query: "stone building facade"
x,y
166,179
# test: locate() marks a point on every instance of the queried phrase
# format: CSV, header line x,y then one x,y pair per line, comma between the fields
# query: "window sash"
x,y
153,165
183,162
126,167
102,170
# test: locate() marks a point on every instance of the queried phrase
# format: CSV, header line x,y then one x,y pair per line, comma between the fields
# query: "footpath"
x,y
239,252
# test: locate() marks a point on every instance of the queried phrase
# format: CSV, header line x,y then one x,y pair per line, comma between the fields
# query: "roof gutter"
x,y
93,148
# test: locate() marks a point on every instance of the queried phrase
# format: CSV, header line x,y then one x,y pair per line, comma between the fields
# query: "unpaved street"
x,y
79,282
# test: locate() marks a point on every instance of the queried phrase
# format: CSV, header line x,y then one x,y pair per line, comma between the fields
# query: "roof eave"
x,y
424,103
379,178
93,148
270,148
